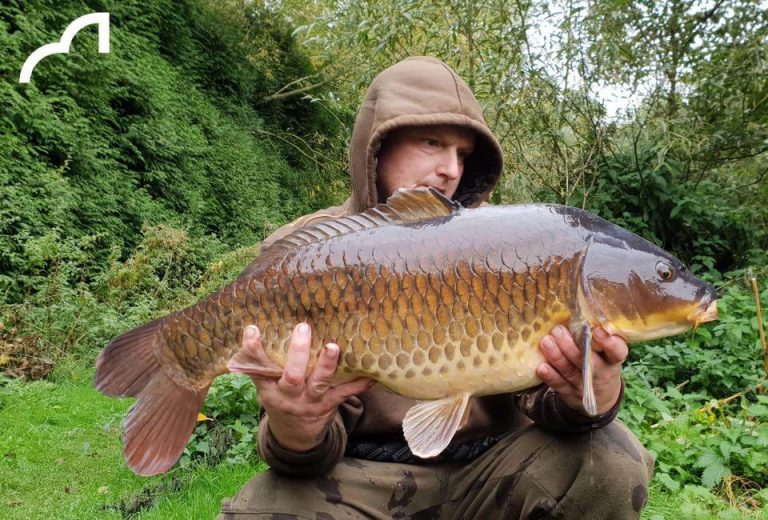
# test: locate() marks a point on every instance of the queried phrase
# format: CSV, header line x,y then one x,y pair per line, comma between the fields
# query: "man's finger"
x,y
567,346
251,340
319,381
554,380
553,354
340,393
295,370
614,348
252,344
267,388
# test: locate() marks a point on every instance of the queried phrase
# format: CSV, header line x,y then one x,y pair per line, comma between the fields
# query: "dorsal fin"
x,y
420,204
405,205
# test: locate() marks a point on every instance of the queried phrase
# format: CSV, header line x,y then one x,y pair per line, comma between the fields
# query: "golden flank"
x,y
433,301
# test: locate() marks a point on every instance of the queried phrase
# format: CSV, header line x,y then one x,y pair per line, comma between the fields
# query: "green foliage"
x,y
701,445
122,176
98,146
229,431
715,434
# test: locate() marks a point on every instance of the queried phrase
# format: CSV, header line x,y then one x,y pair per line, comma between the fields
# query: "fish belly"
x,y
458,327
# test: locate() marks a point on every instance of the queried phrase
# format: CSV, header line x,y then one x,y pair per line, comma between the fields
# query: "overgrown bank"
x,y
164,146
131,184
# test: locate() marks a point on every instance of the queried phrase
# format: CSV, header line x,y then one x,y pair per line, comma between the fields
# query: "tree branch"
x,y
277,96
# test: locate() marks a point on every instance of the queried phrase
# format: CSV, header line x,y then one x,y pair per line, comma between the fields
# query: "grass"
x,y
60,457
201,496
694,503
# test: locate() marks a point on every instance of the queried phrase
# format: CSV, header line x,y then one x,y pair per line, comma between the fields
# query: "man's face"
x,y
424,156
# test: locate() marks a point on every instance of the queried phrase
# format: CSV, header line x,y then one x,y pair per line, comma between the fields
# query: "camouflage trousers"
x,y
527,474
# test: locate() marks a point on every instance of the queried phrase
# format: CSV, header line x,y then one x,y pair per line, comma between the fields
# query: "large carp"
x,y
434,301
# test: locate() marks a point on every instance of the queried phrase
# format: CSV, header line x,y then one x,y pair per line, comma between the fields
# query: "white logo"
x,y
62,46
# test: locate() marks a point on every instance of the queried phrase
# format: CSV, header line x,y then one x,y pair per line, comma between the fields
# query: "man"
x,y
338,451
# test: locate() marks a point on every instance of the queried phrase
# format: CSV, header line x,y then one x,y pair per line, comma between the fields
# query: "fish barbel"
x,y
433,301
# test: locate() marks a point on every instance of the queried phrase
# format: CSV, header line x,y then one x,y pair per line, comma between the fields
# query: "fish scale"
x,y
434,302
389,313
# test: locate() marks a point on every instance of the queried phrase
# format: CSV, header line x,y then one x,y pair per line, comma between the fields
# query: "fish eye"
x,y
665,271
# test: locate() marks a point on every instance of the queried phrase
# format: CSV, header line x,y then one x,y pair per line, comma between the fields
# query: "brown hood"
x,y
421,91
417,91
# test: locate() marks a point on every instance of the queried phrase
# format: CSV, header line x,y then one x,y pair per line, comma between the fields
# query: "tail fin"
x,y
160,423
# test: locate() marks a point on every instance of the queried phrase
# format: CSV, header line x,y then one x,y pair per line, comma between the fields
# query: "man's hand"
x,y
301,406
562,370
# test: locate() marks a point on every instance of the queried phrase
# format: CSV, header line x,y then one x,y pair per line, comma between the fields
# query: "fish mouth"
x,y
705,313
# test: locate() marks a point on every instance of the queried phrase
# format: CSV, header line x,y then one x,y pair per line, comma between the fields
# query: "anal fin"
x,y
429,426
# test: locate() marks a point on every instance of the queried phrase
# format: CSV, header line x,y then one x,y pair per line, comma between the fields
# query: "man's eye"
x,y
432,142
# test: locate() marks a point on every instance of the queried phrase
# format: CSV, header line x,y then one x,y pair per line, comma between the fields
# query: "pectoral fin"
x,y
253,364
429,426
588,398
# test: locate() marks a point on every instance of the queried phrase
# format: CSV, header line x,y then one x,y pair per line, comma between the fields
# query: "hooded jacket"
x,y
417,91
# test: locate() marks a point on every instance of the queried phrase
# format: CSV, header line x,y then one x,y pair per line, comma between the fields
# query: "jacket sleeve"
x,y
545,407
316,461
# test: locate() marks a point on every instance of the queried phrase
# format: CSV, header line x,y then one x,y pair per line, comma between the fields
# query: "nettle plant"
x,y
699,403
227,427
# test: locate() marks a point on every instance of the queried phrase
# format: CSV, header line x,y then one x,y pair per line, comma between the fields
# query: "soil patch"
x,y
144,499
19,357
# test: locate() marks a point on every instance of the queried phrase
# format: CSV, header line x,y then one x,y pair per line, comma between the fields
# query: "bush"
x,y
698,220
123,176
99,146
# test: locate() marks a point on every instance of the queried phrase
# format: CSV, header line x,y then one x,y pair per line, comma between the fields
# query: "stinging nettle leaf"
x,y
709,458
714,474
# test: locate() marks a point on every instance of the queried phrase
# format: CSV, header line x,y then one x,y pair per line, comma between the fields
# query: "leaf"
x,y
714,474
676,209
709,458
758,410
673,392
725,449
668,482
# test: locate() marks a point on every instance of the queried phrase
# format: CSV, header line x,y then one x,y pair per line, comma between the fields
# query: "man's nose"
x,y
451,165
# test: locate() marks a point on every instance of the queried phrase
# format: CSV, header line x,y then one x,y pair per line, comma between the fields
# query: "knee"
x,y
619,448
602,474
617,468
